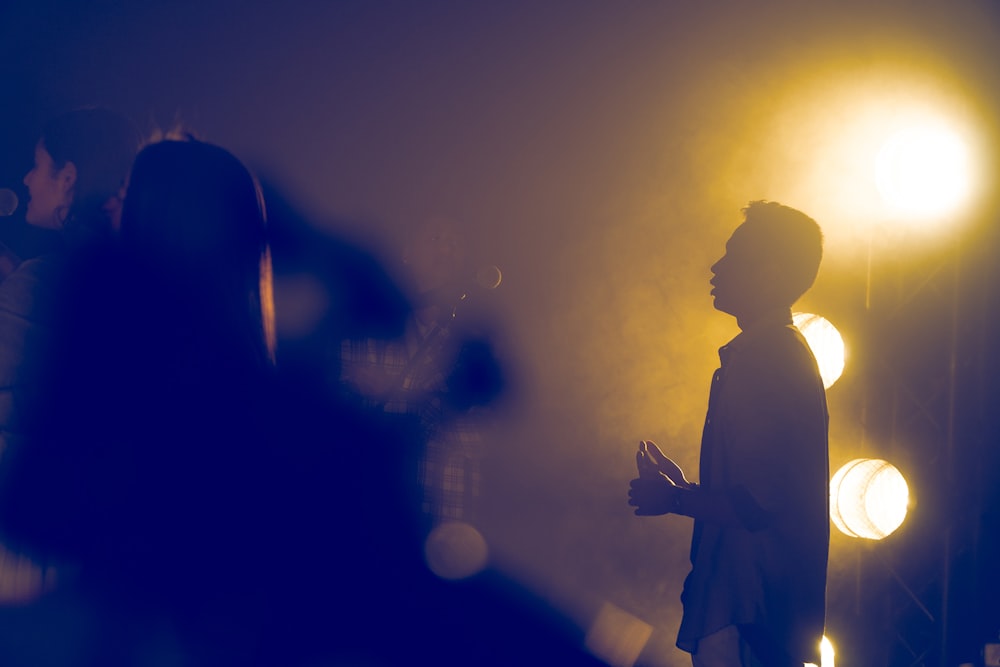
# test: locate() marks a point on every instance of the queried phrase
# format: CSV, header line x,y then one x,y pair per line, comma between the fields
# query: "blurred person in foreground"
x,y
75,191
755,595
75,188
139,474
210,511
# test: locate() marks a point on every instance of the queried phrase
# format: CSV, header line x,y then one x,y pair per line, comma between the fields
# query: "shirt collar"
x,y
778,317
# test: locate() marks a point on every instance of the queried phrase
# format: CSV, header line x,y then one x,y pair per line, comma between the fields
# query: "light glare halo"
x,y
923,172
826,343
868,499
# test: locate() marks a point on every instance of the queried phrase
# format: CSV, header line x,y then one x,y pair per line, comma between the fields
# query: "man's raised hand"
x,y
651,461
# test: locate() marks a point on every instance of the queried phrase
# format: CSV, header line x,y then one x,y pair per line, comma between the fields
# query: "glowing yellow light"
x,y
825,654
923,171
826,344
848,145
868,498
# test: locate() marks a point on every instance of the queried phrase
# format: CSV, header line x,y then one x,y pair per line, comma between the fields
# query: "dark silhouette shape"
x,y
756,591
358,296
438,371
204,506
74,194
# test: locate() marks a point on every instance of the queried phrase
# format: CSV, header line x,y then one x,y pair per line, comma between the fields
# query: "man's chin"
x,y
720,305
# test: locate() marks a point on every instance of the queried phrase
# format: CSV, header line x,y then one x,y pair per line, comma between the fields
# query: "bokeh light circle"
x,y
868,498
826,343
455,550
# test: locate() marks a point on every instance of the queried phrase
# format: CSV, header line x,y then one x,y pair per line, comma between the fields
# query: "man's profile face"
x,y
739,276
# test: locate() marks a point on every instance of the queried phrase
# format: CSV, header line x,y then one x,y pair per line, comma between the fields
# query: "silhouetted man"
x,y
756,591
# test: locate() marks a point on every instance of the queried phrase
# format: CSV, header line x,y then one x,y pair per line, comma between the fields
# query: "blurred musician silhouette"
x,y
440,373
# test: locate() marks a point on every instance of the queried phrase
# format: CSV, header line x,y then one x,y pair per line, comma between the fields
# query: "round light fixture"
x,y
826,344
868,498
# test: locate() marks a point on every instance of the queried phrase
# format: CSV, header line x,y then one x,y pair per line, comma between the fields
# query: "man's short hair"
x,y
790,239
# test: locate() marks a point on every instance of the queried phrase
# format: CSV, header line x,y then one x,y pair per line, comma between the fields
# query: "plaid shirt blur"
x,y
408,376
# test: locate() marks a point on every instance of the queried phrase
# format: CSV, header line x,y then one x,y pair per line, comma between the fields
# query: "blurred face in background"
x,y
50,190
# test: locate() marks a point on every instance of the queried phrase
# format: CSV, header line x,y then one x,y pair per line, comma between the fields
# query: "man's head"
x,y
770,261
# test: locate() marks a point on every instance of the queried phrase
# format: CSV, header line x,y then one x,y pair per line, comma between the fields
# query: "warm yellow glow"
x,y
888,153
923,171
825,654
826,344
616,636
868,498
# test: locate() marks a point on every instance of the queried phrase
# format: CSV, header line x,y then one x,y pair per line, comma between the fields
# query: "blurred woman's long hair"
x,y
195,212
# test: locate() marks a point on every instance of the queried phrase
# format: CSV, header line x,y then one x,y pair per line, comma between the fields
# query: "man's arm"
x,y
655,496
678,496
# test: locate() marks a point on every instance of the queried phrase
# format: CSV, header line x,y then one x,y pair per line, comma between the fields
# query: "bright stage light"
x,y
923,171
825,654
868,498
894,154
826,344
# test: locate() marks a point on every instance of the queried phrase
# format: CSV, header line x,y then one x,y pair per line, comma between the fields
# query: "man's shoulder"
x,y
776,354
777,340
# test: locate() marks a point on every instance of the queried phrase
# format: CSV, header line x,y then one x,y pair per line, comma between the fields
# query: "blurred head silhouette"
x,y
195,212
